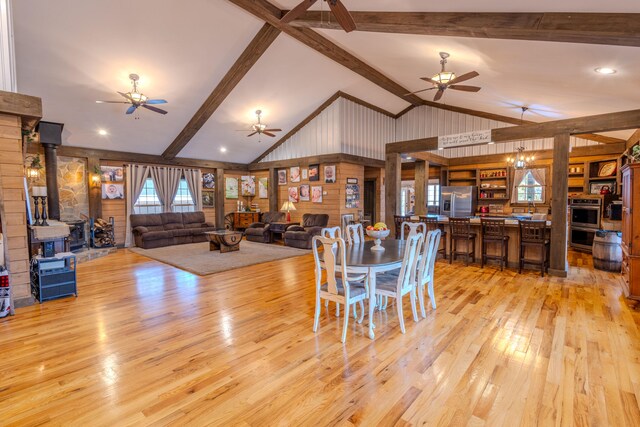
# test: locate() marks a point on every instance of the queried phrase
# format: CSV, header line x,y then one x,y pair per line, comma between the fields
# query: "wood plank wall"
x,y
334,195
12,208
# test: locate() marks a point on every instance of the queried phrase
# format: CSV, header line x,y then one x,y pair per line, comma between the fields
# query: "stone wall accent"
x,y
72,185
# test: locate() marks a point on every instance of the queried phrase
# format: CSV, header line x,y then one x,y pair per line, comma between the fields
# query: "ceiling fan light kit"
x,y
260,128
137,99
448,80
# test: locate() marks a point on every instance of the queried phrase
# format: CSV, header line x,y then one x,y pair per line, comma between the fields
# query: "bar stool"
x,y
432,224
533,234
460,229
493,231
398,220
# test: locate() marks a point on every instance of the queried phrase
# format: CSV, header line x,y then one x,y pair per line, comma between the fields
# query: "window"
x,y
148,201
433,195
183,202
529,189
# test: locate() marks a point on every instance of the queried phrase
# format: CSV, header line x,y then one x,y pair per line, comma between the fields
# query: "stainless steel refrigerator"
x,y
458,201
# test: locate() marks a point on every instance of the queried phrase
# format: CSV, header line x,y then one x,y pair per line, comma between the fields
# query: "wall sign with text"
x,y
464,139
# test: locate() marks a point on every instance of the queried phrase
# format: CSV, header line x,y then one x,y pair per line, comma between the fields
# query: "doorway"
x,y
370,200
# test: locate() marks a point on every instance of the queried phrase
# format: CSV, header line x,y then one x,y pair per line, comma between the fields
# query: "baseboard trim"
x,y
24,302
557,273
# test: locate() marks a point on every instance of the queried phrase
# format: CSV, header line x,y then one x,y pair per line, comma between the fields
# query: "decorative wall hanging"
x,y
304,193
209,199
282,177
263,188
293,195
314,172
316,194
209,181
248,186
231,188
329,174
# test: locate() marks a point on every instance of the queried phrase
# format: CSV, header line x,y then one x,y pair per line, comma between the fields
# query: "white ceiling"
x,y
72,53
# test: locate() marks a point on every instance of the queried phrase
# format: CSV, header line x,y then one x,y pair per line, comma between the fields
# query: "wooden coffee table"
x,y
224,240
279,228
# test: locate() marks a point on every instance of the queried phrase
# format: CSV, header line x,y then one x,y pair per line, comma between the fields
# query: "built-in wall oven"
x,y
585,214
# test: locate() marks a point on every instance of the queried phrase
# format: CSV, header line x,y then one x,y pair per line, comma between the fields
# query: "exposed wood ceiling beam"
x,y
324,158
268,13
126,157
634,139
588,151
240,68
581,125
432,159
28,107
621,29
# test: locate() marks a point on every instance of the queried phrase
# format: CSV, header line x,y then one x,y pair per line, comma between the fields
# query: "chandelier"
x,y
520,160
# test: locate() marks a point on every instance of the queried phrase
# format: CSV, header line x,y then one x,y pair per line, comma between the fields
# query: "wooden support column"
x,y
273,190
392,186
95,191
219,196
559,194
421,183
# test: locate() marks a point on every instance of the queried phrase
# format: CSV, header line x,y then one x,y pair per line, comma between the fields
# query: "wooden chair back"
x,y
533,231
460,227
346,219
429,255
430,221
331,232
334,263
411,228
493,228
398,220
354,234
408,271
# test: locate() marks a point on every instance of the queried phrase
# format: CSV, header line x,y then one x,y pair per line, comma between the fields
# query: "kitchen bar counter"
x,y
512,230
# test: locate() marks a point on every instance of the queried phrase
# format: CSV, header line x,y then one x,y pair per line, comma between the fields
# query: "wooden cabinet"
x,y
631,230
242,220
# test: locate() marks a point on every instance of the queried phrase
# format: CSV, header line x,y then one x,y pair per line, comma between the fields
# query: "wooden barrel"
x,y
606,251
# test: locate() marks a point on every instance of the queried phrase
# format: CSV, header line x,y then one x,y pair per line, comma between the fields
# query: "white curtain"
x,y
540,175
518,176
165,182
194,182
136,175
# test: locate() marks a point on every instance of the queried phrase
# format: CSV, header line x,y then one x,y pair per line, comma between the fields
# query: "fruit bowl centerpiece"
x,y
378,231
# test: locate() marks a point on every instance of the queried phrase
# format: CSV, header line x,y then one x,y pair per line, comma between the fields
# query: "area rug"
x,y
198,259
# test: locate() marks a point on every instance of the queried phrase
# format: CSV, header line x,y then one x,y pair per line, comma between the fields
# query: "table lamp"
x,y
288,206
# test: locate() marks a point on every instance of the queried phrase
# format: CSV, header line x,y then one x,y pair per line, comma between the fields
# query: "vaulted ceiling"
x,y
72,53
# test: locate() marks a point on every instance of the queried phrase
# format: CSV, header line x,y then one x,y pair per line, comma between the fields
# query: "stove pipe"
x,y
51,138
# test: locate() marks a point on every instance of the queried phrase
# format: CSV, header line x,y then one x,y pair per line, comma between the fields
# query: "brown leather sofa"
x,y
300,236
259,231
165,229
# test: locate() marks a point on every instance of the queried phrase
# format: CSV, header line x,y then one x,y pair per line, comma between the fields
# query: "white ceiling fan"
x,y
260,128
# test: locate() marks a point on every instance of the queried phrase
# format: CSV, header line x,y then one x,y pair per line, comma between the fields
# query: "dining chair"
x,y
413,228
396,286
337,288
346,219
331,232
426,268
354,234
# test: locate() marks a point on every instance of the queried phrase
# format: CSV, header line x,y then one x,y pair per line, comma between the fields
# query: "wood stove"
x,y
77,234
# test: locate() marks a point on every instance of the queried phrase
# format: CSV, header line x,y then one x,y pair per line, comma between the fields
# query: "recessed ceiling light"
x,y
223,150
440,148
102,132
408,158
605,70
490,143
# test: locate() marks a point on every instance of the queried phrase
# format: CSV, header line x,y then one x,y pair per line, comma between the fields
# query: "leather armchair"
x,y
300,236
259,231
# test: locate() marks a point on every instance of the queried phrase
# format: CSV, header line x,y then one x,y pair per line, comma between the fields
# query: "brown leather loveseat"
x,y
300,236
165,229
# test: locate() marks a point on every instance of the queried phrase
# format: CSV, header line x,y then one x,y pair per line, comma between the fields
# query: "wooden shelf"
x,y
603,178
576,175
493,199
462,179
493,178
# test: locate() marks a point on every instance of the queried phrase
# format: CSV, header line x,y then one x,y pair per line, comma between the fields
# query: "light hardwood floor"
x,y
146,343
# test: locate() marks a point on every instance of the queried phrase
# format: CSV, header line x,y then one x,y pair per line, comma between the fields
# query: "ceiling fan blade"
x,y
131,109
272,130
253,133
126,95
268,133
297,11
244,130
464,77
439,94
465,88
157,110
427,79
155,101
112,102
342,15
418,91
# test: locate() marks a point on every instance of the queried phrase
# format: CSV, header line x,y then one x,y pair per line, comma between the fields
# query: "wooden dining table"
x,y
361,259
